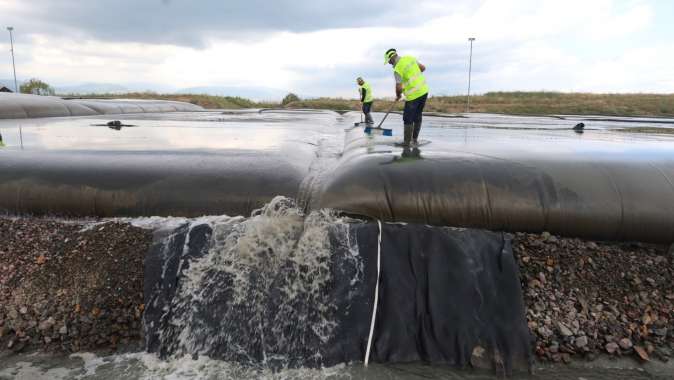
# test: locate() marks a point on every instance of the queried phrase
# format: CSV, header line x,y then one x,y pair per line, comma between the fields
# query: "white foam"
x,y
33,371
206,368
278,255
144,366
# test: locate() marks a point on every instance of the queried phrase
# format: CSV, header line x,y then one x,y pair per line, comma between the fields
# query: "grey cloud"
x,y
183,22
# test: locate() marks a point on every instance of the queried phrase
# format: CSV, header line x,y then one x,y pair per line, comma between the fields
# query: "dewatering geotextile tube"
x,y
601,199
109,184
23,106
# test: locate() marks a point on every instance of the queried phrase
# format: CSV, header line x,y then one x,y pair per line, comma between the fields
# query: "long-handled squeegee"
x,y
378,129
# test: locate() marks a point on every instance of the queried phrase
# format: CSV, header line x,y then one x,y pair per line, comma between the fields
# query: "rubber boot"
x,y
368,118
409,129
415,135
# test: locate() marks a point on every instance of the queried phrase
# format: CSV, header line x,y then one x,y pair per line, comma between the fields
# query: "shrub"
x,y
290,98
36,87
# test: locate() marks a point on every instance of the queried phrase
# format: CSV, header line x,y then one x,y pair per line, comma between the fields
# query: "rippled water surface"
x,y
132,366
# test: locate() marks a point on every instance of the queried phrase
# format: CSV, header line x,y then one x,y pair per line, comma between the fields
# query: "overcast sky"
x,y
318,48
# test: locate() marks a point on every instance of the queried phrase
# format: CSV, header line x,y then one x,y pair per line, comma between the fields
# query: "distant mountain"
x,y
91,88
85,88
249,92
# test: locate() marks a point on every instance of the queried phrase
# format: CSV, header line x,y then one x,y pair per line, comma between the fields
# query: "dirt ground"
x,y
588,298
66,287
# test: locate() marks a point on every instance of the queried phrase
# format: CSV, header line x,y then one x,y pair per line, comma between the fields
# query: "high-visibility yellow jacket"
x,y
413,80
368,92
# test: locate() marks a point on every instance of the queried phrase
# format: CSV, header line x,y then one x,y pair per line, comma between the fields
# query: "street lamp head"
x,y
471,39
10,28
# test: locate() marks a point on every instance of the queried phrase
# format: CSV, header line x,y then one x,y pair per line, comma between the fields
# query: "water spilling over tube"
x,y
283,289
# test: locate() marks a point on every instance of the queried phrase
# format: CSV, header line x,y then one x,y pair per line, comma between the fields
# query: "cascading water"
x,y
255,290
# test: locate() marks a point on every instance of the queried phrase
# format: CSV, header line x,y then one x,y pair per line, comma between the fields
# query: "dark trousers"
x,y
367,107
413,113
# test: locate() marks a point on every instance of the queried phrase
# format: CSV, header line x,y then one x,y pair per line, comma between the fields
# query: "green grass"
x,y
519,103
206,101
528,103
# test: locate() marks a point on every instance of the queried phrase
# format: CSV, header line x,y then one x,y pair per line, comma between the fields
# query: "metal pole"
x,y
11,42
470,69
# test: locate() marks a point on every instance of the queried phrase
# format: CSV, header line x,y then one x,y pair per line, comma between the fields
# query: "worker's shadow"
x,y
409,154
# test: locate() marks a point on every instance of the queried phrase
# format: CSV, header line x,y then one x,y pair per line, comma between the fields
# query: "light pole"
x,y
11,44
470,69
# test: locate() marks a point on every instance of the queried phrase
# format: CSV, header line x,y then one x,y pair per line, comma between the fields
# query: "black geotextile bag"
x,y
444,293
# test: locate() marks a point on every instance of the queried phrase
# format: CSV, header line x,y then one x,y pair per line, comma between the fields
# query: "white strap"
x,y
376,298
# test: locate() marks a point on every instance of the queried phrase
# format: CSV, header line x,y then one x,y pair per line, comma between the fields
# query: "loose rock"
x,y
625,343
47,284
611,348
565,331
596,295
642,353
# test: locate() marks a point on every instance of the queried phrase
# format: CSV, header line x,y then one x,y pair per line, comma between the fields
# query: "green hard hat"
x,y
389,53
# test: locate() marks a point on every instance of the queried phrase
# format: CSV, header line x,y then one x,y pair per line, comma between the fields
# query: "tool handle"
x,y
389,111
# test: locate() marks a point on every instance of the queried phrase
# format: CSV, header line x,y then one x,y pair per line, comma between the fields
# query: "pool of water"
x,y
141,366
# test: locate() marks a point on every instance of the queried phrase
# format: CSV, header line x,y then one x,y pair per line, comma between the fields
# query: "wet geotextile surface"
x,y
480,171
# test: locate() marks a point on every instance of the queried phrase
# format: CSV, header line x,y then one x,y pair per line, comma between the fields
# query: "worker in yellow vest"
x,y
366,99
410,81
